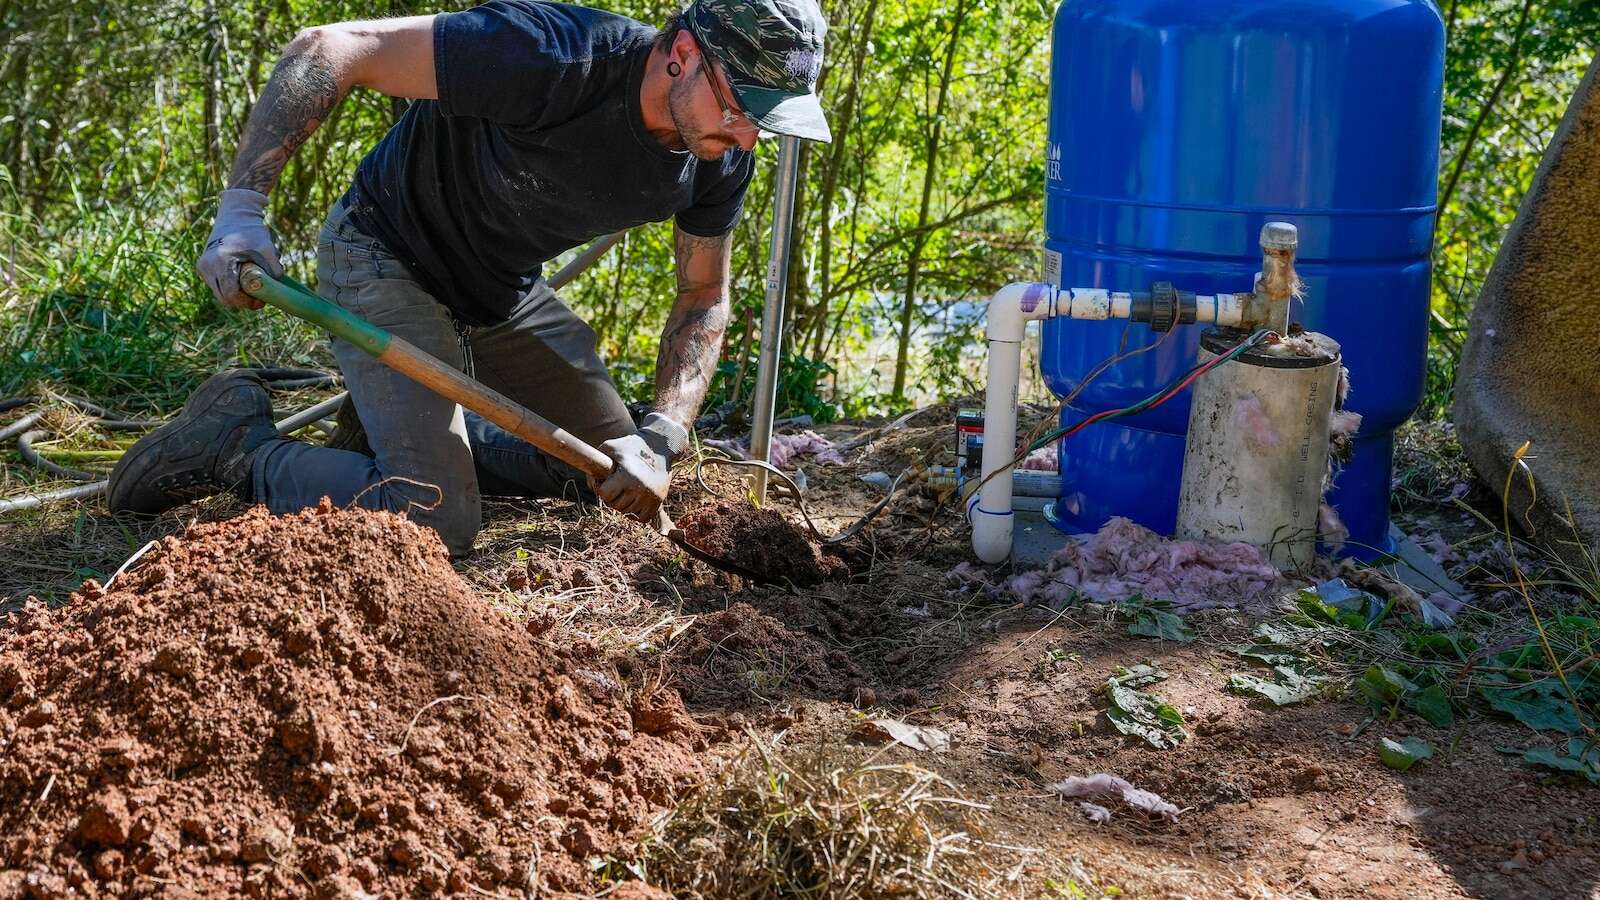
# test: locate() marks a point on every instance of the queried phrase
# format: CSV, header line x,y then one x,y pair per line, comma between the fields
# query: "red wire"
x,y
1165,396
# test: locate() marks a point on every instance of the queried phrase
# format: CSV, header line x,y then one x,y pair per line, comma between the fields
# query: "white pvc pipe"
x,y
989,510
1006,319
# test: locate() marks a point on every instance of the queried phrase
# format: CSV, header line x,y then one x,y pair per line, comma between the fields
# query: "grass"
x,y
116,311
821,823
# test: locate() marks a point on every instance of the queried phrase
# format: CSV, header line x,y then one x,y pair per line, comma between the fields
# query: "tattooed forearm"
x,y
702,263
690,346
304,89
692,339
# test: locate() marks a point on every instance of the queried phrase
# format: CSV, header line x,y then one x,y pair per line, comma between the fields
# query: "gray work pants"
x,y
431,461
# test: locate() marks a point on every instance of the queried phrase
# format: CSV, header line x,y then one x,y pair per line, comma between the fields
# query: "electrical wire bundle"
x,y
1152,401
1148,403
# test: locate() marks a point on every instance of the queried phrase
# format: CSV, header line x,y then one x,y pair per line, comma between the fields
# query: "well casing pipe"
x,y
764,406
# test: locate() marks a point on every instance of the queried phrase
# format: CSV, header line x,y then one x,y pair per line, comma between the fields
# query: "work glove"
x,y
642,467
240,236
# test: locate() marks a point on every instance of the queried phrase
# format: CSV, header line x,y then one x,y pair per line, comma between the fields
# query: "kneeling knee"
x,y
456,523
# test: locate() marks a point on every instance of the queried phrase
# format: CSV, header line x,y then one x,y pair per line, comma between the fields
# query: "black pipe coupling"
x,y
1163,307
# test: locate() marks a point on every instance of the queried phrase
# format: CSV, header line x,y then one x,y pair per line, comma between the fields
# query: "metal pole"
x,y
590,255
307,416
766,398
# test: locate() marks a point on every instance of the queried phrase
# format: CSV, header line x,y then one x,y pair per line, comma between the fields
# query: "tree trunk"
x,y
914,264
16,72
817,324
216,162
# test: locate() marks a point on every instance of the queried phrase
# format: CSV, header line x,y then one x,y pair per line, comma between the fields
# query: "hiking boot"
x,y
206,450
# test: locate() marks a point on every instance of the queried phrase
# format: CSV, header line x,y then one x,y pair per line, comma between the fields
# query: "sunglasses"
x,y
734,122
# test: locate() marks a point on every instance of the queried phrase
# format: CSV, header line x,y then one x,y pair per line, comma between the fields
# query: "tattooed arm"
x,y
692,340
320,66
690,345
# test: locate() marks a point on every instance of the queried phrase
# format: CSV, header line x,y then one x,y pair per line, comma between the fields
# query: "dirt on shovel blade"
x,y
760,541
314,705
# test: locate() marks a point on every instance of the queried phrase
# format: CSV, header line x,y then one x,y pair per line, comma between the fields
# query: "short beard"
x,y
680,105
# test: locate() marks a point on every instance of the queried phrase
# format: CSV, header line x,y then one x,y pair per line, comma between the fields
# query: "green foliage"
x,y
1542,705
117,127
1438,674
140,111
1389,691
800,386
1357,609
1154,618
1294,678
1581,758
1510,68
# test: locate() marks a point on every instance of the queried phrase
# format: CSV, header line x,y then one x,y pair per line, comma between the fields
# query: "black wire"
x,y
292,379
21,425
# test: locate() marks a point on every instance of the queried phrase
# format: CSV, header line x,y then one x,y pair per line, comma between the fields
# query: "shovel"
x,y
448,382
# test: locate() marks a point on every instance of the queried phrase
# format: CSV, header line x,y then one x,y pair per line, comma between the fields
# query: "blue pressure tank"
x,y
1176,129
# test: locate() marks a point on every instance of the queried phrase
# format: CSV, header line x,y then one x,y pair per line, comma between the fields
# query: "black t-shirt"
x,y
535,145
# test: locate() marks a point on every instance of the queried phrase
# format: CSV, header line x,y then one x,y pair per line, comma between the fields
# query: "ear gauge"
x,y
674,69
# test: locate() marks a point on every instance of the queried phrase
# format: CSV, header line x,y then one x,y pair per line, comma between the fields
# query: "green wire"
x,y
1158,397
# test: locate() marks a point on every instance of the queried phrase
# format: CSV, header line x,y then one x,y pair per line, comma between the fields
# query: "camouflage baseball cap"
x,y
772,53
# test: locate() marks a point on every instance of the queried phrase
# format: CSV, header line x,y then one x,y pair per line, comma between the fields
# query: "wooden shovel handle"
x,y
431,373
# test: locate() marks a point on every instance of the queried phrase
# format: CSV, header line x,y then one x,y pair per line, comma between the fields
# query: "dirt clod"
x,y
759,540
309,704
741,654
105,820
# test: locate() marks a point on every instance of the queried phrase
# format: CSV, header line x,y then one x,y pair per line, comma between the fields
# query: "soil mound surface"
x,y
760,540
741,655
313,705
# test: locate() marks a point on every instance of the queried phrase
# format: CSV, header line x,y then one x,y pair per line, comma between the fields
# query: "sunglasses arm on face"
x,y
733,121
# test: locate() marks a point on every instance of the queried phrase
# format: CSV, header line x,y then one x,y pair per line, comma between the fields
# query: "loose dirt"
x,y
1275,802
759,540
314,704
740,656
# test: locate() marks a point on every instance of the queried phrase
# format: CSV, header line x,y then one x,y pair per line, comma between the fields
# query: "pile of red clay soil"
x,y
761,541
314,705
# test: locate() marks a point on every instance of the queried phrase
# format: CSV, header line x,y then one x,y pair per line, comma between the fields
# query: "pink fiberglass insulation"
x,y
1124,559
785,447
1044,459
1342,427
1103,786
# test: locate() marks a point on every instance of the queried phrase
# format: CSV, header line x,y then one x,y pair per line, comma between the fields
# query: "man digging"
x,y
536,127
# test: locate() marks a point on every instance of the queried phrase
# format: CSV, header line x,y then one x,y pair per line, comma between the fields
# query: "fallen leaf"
x,y
1290,687
1159,623
1582,758
1432,704
917,737
1540,705
1140,714
1402,755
